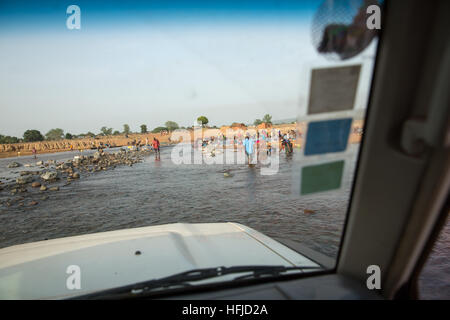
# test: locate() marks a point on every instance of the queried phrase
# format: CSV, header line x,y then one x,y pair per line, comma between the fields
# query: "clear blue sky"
x,y
146,64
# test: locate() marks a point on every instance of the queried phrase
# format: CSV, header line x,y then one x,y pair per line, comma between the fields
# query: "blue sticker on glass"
x,y
327,136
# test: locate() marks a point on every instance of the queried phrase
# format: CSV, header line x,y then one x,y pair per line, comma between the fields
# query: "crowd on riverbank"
x,y
24,149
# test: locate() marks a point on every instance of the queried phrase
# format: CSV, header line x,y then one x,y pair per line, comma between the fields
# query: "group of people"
x,y
155,146
257,143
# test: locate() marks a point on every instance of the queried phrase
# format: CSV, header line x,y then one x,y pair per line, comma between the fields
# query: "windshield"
x,y
229,130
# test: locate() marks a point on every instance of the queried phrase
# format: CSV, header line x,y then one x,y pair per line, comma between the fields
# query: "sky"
x,y
232,61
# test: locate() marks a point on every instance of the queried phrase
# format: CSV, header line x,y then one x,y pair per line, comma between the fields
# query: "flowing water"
x,y
160,192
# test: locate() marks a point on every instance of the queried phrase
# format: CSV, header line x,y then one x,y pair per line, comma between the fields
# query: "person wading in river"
x,y
155,145
248,145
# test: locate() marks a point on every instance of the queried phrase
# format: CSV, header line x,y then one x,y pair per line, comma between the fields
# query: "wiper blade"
x,y
184,279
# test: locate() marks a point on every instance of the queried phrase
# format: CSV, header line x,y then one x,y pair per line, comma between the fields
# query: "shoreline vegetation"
x,y
80,145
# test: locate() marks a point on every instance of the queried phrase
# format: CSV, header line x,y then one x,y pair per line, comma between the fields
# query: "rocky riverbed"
x,y
36,180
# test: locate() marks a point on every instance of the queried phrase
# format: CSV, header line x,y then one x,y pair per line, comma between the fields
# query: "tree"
x,y
203,121
68,136
267,119
171,125
257,122
8,139
126,129
55,134
89,134
116,133
159,129
106,131
144,128
32,135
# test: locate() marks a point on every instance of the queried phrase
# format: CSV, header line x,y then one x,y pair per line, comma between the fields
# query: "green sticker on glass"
x,y
322,177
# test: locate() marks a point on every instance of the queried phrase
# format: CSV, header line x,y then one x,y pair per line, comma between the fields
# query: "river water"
x,y
160,192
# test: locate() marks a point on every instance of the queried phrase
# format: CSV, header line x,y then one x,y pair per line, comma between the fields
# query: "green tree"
x,y
257,122
143,128
32,135
55,134
116,133
106,131
158,129
68,136
126,129
267,119
202,120
171,125
8,139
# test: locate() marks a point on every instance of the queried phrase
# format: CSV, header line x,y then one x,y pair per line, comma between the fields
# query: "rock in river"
x,y
36,184
24,180
43,188
14,165
49,175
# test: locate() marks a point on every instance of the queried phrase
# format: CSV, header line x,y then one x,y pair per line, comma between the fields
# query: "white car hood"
x,y
38,270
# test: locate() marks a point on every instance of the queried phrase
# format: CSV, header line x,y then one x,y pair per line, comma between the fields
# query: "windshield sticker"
x,y
327,136
323,177
333,89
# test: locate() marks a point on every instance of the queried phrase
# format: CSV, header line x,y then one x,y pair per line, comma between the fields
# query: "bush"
x,y
257,122
159,129
8,139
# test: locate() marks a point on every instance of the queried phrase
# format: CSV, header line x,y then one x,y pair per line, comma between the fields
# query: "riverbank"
x,y
44,147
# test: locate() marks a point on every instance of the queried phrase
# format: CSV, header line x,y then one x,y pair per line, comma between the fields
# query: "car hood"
x,y
40,270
